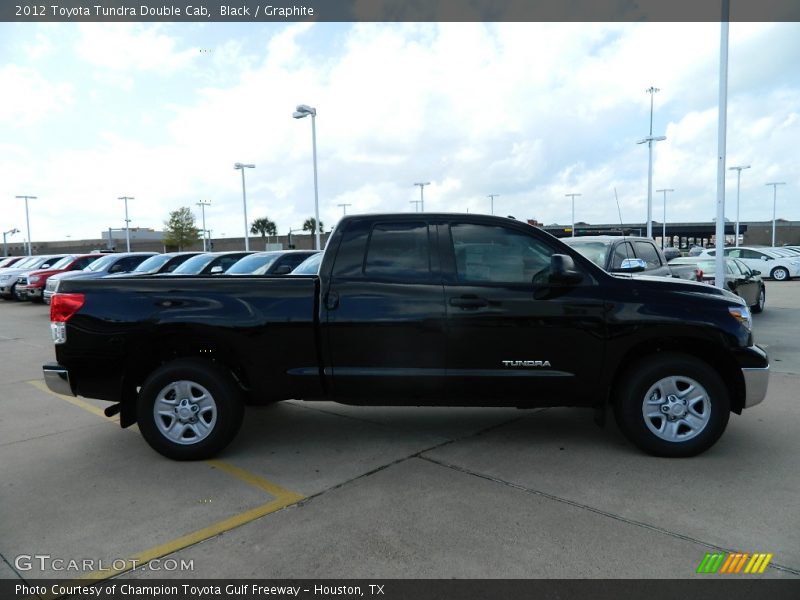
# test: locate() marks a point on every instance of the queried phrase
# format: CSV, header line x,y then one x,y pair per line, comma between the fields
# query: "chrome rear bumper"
x,y
57,379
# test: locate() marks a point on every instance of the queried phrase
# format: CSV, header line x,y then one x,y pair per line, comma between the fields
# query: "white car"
x,y
770,263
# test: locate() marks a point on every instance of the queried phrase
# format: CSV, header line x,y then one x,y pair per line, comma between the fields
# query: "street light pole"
x,y
302,111
664,224
242,167
573,211
416,204
28,222
738,186
650,139
127,222
493,196
5,233
421,195
344,206
774,204
202,204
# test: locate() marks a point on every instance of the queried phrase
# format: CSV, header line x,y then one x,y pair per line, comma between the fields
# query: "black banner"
x,y
733,588
397,10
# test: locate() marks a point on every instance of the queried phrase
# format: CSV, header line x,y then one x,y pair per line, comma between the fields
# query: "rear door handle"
x,y
469,302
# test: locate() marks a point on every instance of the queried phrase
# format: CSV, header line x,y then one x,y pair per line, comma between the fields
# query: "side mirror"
x,y
117,268
562,270
216,270
632,265
282,270
754,273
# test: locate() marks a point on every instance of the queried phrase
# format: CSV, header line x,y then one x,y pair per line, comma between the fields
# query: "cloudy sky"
x,y
90,112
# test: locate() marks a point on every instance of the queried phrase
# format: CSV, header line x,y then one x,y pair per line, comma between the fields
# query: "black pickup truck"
x,y
412,309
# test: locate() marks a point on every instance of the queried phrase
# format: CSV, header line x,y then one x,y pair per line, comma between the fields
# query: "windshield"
x,y
101,263
250,264
195,264
309,266
154,263
594,251
63,263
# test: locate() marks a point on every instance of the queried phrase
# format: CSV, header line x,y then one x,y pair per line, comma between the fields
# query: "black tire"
x,y
762,300
681,432
201,390
780,274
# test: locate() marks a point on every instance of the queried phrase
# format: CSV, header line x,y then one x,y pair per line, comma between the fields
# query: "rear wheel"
x,y
189,409
780,274
672,405
762,300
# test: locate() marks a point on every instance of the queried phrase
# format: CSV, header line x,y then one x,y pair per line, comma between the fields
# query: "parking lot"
x,y
324,490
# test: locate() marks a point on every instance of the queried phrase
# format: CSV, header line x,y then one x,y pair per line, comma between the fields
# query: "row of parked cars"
x,y
36,278
746,267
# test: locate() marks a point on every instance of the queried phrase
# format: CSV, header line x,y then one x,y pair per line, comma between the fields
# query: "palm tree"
x,y
311,225
263,226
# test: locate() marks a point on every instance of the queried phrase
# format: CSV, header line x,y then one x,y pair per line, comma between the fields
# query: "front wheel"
x,y
780,274
762,300
672,405
189,409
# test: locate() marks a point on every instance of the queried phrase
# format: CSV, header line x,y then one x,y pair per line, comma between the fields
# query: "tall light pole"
x,y
242,167
28,221
650,139
422,185
664,224
492,197
302,111
5,233
774,204
127,222
202,204
416,203
738,187
573,211
344,206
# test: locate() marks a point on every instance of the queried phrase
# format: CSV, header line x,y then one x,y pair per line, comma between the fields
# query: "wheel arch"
x,y
702,350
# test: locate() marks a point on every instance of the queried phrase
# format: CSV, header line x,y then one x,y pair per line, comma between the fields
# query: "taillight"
x,y
62,307
699,274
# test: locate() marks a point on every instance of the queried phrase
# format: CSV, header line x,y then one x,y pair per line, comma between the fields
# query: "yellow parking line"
x,y
42,386
282,499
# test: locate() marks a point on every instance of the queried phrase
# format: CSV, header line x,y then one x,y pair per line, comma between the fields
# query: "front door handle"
x,y
469,302
331,300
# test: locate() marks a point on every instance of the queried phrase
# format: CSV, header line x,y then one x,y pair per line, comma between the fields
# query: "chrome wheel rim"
x,y
185,412
761,299
780,274
676,408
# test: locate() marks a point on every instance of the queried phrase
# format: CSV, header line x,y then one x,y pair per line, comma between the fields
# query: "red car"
x,y
31,286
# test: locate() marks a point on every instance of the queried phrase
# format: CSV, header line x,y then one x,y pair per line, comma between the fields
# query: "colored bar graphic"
x,y
729,563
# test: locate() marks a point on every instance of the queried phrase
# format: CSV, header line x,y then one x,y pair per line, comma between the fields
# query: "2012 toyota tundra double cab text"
x,y
412,309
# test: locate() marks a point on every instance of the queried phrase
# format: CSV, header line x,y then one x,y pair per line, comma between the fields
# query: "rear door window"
x,y
398,252
647,252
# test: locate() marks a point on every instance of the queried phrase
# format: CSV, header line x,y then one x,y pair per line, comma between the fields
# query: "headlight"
x,y
742,314
34,279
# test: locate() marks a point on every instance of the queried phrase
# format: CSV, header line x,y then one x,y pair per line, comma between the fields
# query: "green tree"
x,y
311,225
180,229
263,226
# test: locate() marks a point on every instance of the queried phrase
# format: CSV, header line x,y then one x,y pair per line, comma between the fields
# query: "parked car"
x,y
276,262
209,263
160,263
309,266
107,264
412,309
622,254
739,278
9,277
695,251
770,264
671,252
10,260
31,285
